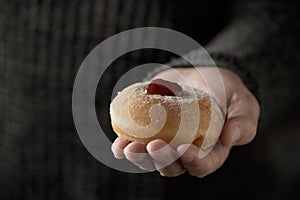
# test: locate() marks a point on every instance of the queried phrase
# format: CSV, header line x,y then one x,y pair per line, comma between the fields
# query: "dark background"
x,y
42,44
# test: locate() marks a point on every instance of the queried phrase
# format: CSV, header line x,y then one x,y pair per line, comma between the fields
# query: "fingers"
x,y
157,155
136,153
238,131
118,147
201,167
165,158
242,119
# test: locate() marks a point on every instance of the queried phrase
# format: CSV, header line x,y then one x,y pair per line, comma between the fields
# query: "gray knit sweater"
x,y
42,44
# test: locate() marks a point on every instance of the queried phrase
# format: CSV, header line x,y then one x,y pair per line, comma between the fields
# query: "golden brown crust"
x,y
139,105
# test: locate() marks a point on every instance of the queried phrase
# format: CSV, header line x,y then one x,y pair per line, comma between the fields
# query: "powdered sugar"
x,y
190,94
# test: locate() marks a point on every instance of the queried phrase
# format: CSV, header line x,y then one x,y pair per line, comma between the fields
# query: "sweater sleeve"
x,y
261,45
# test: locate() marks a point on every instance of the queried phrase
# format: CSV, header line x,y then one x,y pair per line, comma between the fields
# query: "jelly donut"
x,y
165,110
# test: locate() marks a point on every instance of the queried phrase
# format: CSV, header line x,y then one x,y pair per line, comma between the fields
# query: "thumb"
x,y
238,131
242,120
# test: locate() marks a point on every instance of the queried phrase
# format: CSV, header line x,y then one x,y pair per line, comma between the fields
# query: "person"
x,y
43,43
241,40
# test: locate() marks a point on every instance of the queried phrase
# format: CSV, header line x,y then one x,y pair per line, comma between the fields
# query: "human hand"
x,y
242,114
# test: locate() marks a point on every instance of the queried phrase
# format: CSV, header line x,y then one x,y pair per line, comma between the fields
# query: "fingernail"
x,y
236,134
140,158
135,157
160,155
118,155
114,151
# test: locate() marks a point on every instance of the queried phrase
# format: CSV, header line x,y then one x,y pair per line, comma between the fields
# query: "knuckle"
x,y
256,104
252,134
249,131
253,102
206,168
211,164
248,135
217,162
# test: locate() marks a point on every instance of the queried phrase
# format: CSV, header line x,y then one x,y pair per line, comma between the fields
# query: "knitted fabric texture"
x,y
42,44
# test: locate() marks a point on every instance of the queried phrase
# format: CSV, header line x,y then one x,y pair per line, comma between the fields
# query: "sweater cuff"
x,y
234,64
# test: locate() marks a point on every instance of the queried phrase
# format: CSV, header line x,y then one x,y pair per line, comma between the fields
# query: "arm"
x,y
256,46
260,45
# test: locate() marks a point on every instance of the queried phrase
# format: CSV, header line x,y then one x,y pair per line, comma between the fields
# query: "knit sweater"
x,y
42,44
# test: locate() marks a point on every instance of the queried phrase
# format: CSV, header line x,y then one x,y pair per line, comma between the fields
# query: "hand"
x,y
240,128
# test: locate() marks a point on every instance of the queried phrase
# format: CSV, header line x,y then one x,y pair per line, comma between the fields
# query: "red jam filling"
x,y
164,88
